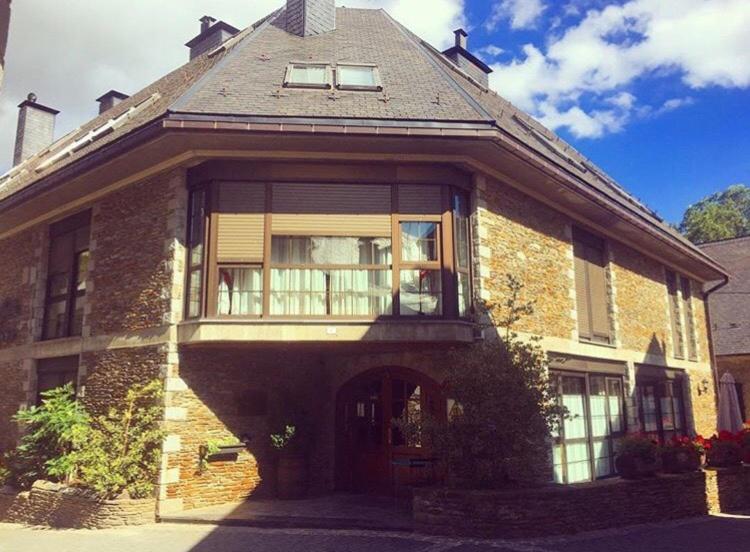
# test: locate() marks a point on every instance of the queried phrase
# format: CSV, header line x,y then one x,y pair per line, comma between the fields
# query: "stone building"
x,y
729,309
4,27
307,216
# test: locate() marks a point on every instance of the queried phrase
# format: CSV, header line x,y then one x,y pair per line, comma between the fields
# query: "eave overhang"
x,y
188,139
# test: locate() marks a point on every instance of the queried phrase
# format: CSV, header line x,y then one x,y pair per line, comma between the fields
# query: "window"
x,y
308,75
584,446
591,287
687,311
674,315
358,77
336,276
421,274
406,406
461,244
240,291
196,239
52,373
661,408
66,276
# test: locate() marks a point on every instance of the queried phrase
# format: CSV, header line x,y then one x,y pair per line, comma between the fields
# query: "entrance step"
x,y
330,512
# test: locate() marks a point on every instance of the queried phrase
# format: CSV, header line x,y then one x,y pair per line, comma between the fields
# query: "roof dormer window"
x,y
358,76
308,75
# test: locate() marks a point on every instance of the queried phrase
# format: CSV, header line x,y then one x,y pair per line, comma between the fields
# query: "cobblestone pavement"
x,y
724,533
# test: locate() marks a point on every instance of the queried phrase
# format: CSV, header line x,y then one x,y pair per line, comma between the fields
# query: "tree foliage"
x,y
720,216
54,430
498,431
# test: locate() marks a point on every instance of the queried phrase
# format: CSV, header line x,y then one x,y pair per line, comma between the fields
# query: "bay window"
x,y
340,250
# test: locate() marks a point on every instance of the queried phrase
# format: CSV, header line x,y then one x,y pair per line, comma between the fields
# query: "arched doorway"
x,y
372,455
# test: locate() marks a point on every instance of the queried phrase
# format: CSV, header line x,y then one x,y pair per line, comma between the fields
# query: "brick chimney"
x,y
468,62
110,99
36,128
310,17
213,34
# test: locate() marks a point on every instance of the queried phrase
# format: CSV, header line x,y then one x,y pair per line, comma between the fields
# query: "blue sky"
x,y
656,92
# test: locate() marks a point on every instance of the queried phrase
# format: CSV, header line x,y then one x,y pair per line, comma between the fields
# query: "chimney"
x,y
213,34
310,17
465,60
36,128
110,99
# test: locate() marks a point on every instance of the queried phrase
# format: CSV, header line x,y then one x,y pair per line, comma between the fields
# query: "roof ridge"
x,y
724,240
420,45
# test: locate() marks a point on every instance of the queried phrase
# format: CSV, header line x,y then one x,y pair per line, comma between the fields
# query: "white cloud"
x,y
488,52
522,14
70,54
704,42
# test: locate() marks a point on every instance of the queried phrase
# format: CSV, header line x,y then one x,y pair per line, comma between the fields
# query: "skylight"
x,y
359,76
308,75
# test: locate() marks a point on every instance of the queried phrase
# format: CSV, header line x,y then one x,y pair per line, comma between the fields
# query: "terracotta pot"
x,y
634,467
291,477
680,460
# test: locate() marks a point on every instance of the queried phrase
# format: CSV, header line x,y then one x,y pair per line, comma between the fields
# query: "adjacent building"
x,y
306,217
729,307
4,27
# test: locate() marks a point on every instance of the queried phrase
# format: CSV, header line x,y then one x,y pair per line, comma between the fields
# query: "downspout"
x,y
711,348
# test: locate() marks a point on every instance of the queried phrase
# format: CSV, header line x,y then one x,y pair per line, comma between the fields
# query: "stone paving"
x,y
722,533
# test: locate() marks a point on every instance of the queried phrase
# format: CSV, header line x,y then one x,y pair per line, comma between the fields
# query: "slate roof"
x,y
730,305
241,77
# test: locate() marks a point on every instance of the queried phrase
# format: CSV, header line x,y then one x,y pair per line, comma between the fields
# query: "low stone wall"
x,y
59,506
558,509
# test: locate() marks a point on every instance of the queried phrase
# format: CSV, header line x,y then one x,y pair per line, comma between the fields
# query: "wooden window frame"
x,y
200,266
657,382
446,262
468,272
289,83
215,293
589,439
376,87
582,236
71,296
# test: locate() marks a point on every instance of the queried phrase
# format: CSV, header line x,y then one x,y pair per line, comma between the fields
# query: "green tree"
x,y
53,432
720,216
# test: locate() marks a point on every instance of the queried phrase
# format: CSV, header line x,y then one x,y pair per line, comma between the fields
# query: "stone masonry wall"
x,y
641,300
12,396
132,273
532,242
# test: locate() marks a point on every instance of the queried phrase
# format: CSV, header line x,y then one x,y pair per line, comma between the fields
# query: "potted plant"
x,y
637,456
745,444
219,449
291,466
724,450
681,455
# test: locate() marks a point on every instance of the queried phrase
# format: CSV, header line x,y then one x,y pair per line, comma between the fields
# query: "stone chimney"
x,y
36,128
213,34
110,99
310,17
468,62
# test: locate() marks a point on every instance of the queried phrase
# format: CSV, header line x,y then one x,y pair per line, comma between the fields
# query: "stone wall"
x,y
559,510
131,276
12,396
525,238
59,506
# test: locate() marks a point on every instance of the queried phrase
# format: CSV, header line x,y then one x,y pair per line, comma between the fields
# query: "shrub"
x,y
637,456
53,432
681,454
123,450
498,433
724,449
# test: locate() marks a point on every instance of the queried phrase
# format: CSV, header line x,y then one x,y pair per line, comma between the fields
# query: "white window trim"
x,y
377,87
288,83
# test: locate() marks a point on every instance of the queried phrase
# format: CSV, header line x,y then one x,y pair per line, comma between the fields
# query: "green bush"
x,y
504,409
53,431
123,448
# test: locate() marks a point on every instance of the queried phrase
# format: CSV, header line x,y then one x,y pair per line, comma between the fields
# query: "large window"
x,y
66,276
661,408
592,298
328,250
687,311
584,446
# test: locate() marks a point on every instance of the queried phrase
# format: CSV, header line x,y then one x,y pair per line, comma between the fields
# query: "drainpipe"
x,y
711,348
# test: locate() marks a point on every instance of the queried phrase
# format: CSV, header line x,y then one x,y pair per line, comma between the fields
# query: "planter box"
x,y
225,451
56,505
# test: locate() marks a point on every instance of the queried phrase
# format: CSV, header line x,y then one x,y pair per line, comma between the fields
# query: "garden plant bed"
x,y
557,509
60,506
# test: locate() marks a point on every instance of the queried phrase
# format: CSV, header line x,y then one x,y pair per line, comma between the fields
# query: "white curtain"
x,y
298,292
360,292
240,291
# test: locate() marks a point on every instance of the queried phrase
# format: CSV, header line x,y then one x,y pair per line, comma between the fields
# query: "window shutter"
x,y
240,222
687,309
582,295
598,289
674,315
416,199
331,210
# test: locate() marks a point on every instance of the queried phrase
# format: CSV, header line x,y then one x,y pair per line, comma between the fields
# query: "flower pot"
x,y
291,477
680,460
630,466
